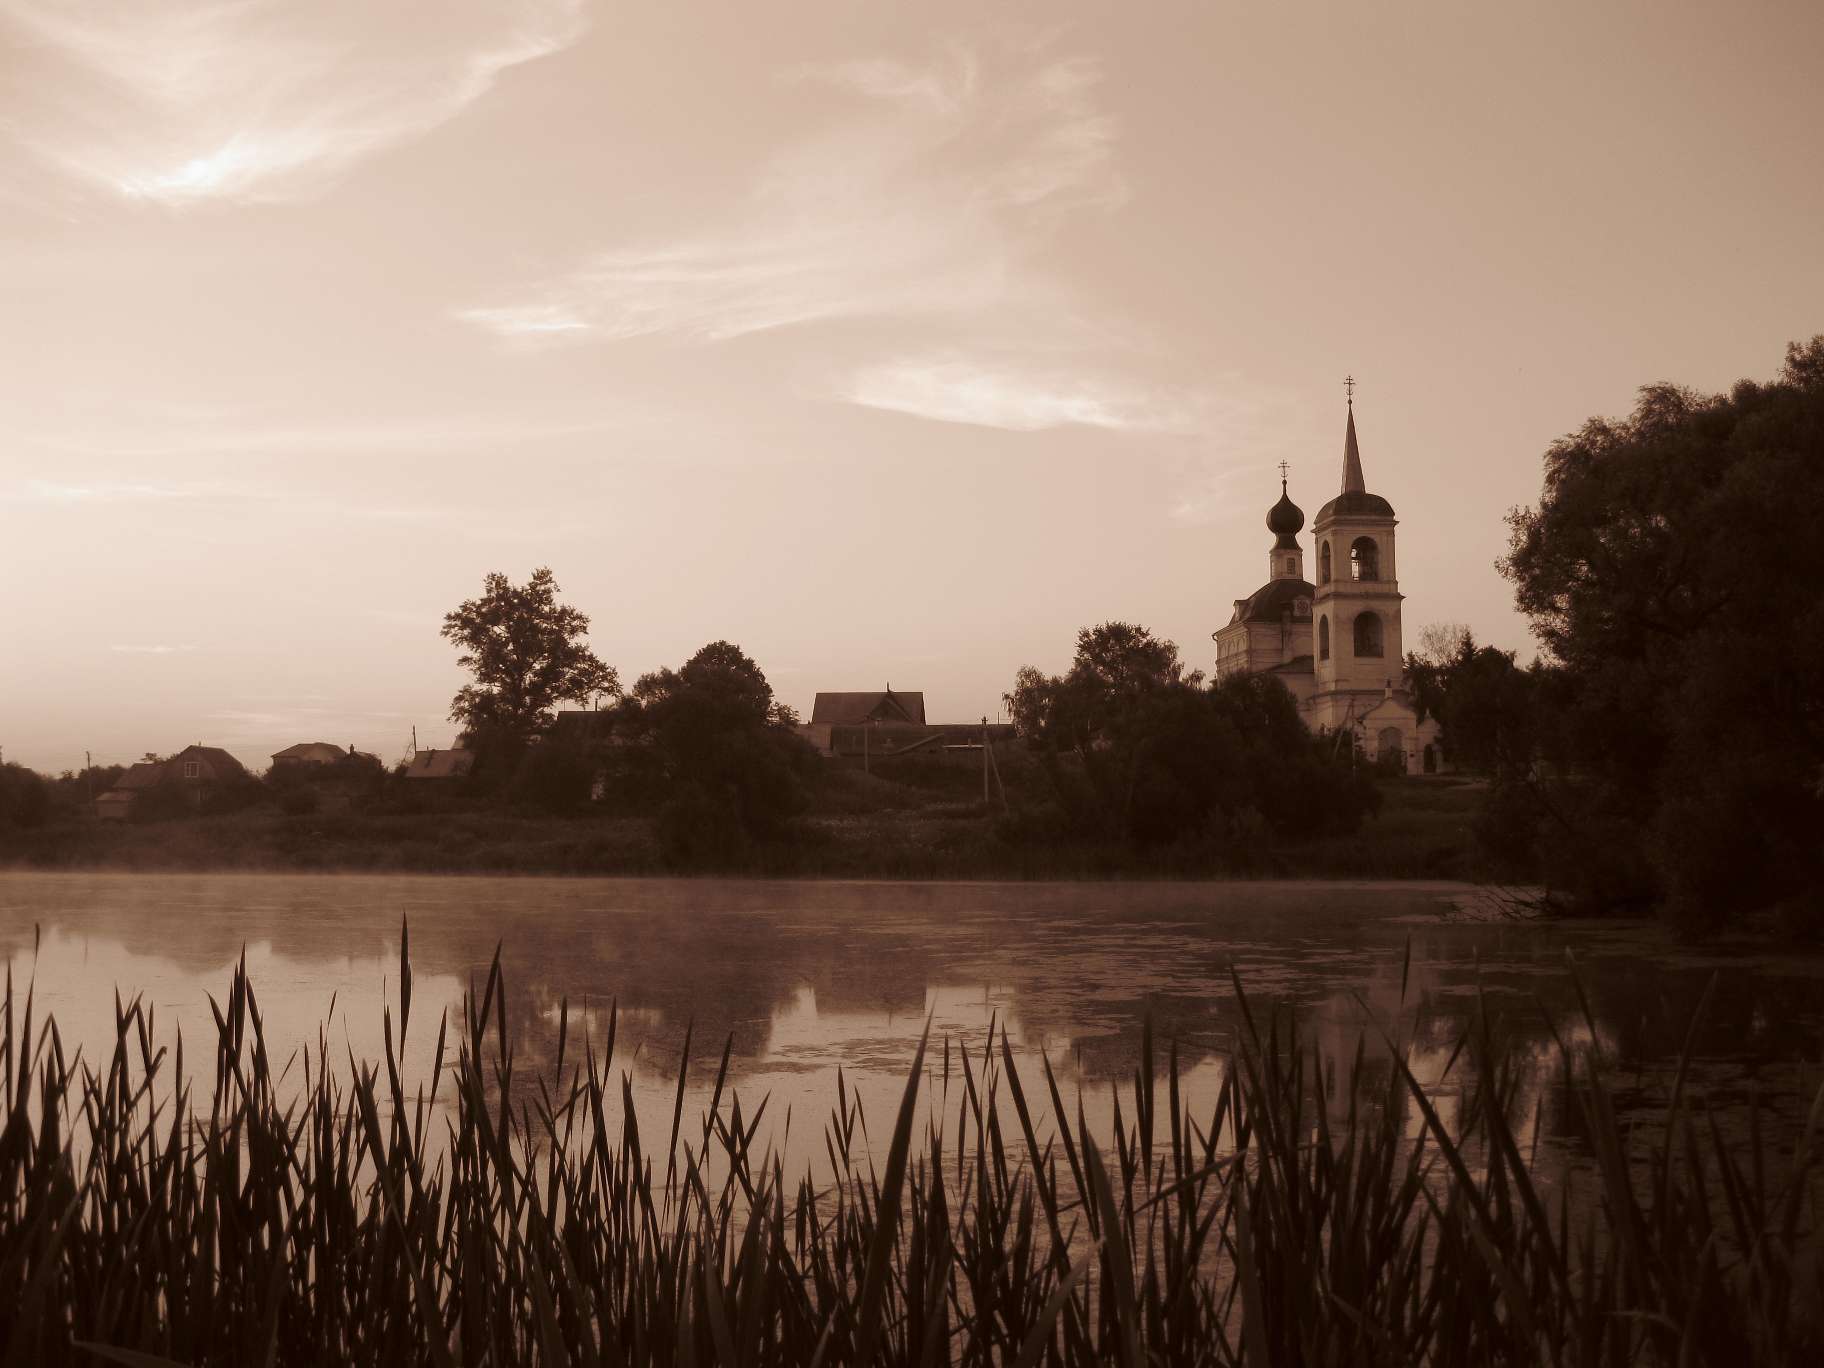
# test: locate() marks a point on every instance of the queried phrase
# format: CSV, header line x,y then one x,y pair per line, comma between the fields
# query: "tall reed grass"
x,y
1319,1212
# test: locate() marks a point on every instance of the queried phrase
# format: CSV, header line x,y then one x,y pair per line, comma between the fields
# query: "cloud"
x,y
252,100
1005,395
150,650
924,202
97,491
250,435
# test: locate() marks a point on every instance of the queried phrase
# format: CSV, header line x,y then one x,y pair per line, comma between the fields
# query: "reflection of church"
x,y
1336,645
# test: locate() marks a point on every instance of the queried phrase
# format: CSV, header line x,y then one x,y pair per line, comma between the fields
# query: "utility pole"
x,y
985,795
88,774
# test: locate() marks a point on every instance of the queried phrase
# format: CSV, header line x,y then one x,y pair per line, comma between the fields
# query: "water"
x,y
800,978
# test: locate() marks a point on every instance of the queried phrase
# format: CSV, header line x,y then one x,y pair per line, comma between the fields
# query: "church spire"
x,y
1352,455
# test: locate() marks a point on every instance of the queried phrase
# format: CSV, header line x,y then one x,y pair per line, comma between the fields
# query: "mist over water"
x,y
800,979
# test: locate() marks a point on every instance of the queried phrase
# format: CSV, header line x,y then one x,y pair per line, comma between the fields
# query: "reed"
x,y
1319,1212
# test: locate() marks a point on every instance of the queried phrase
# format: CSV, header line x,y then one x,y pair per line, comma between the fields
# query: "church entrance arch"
x,y
1431,759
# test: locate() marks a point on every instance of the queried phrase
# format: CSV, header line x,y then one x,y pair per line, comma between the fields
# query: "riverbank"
x,y
1423,831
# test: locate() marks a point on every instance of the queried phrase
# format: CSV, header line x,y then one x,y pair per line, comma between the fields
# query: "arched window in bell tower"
x,y
1364,560
1367,635
1323,635
1323,563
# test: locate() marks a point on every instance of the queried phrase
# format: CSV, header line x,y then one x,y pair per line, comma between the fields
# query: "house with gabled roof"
x,y
195,771
854,709
310,754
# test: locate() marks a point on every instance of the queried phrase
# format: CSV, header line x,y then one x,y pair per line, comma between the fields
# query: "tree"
x,y
1482,699
1137,749
1668,576
1098,712
527,653
24,797
718,752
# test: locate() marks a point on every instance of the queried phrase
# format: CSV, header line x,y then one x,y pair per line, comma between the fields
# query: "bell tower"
x,y
1357,647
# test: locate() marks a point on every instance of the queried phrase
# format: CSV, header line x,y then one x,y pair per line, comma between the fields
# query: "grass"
x,y
314,1214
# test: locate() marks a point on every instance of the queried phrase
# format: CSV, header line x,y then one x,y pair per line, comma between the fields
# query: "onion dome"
x,y
1285,520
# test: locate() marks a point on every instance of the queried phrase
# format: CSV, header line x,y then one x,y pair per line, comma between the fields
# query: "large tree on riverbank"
x,y
527,653
1137,748
1670,572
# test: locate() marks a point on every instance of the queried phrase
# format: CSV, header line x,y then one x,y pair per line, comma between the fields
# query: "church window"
x,y
1367,635
1291,566
1323,638
1365,560
1301,607
1323,563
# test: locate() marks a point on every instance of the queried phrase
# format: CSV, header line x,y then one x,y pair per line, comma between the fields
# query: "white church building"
x,y
1336,644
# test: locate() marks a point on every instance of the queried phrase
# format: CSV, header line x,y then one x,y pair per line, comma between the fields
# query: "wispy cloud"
x,y
153,650
923,202
251,435
249,100
94,491
998,394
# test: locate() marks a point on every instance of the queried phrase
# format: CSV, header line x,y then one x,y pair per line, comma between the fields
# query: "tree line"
x,y
1666,750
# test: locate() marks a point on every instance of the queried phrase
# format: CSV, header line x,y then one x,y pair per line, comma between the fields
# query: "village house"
x,y
885,724
195,772
307,755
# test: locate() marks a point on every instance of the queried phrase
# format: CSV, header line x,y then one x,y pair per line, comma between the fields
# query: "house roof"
x,y
143,775
440,764
1274,600
315,752
221,764
847,709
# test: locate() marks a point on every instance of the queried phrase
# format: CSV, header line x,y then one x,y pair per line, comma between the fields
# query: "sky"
x,y
894,343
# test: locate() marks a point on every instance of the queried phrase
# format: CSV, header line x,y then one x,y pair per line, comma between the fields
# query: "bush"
x,y
299,800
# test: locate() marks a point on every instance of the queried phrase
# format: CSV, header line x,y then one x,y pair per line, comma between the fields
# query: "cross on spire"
x,y
1282,474
1349,386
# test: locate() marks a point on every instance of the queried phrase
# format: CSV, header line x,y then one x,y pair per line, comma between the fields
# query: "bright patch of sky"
x,y
891,342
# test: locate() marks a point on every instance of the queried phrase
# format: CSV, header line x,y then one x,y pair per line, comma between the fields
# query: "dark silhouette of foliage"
x,y
709,741
554,776
1134,747
527,653
25,799
1667,573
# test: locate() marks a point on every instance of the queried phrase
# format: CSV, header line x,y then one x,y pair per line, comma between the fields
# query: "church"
x,y
1336,644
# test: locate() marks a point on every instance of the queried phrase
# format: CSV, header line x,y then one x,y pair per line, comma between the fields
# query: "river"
x,y
801,978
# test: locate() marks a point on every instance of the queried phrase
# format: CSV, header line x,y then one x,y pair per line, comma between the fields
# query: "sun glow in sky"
x,y
893,342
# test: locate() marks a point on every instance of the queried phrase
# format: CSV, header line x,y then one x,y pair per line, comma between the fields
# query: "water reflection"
x,y
799,979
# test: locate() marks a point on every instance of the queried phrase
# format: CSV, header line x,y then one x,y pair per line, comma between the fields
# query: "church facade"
x,y
1335,641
